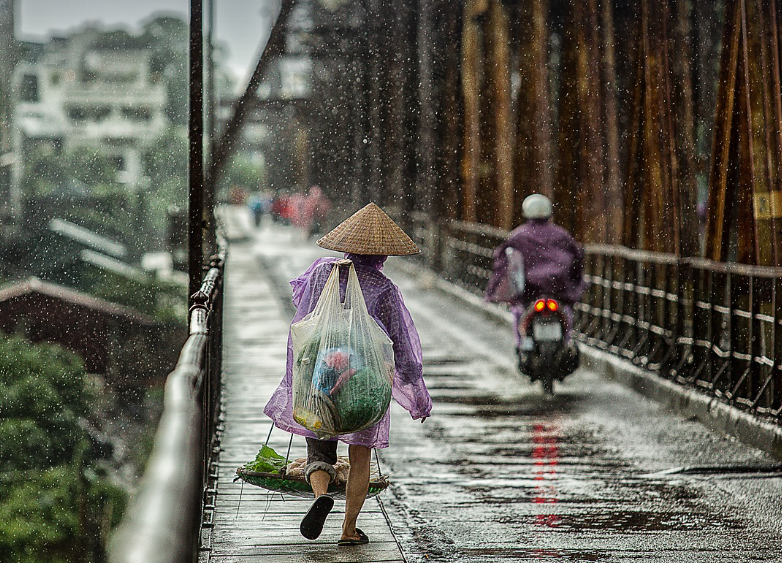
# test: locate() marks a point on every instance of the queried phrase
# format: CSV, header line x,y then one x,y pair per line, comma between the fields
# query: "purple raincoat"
x,y
553,263
385,305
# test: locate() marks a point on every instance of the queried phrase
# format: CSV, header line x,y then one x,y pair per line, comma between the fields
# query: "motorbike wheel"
x,y
548,383
548,353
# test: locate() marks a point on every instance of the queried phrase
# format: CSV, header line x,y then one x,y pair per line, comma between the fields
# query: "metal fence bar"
x,y
163,522
195,167
712,325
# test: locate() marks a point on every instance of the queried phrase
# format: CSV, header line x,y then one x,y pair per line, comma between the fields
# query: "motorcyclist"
x,y
553,264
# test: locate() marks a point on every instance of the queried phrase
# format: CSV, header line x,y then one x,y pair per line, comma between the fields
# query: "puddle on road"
x,y
529,406
500,554
436,388
443,361
638,521
517,464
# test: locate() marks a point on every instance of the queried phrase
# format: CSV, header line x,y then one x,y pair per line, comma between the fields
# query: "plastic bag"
x,y
511,286
343,362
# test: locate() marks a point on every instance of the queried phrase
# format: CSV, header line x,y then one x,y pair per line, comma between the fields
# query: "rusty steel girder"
x,y
745,202
660,189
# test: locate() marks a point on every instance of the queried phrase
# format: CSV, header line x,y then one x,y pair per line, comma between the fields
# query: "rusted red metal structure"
x,y
745,197
616,109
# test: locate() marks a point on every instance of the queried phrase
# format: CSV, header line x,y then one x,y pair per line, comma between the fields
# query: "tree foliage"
x,y
245,173
54,503
165,163
47,171
168,38
42,397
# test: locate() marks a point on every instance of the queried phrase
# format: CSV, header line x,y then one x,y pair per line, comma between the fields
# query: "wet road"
x,y
502,473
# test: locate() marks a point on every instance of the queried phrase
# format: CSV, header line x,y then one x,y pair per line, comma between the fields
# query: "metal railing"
x,y
164,520
713,326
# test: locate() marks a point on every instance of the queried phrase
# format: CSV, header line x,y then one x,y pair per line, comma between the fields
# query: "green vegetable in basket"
x,y
267,461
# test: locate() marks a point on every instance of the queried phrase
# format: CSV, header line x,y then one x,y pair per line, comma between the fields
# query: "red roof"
x,y
89,326
68,295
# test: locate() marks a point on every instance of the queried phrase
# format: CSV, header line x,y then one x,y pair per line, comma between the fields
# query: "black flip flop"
x,y
362,539
312,524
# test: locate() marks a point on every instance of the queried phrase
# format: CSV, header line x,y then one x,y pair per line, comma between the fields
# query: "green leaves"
x,y
42,396
39,517
52,497
267,461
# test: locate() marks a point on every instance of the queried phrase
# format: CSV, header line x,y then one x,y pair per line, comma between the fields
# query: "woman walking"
x,y
367,238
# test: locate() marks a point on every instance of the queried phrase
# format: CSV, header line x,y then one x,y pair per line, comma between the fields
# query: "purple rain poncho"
x,y
385,305
553,263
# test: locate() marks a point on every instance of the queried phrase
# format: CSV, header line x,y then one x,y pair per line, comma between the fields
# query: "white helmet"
x,y
537,206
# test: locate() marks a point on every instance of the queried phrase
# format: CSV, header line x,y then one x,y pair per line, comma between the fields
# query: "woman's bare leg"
x,y
319,481
358,484
312,524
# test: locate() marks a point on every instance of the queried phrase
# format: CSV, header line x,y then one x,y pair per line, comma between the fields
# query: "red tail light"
x,y
552,305
540,305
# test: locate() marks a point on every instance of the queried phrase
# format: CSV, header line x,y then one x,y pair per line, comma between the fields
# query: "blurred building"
x,y
78,91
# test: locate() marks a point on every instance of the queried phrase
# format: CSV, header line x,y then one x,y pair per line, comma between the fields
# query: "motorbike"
x,y
545,352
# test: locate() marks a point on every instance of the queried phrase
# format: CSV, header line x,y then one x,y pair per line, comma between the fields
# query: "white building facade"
x,y
78,95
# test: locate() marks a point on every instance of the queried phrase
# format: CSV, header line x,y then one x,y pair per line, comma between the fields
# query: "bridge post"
x,y
196,149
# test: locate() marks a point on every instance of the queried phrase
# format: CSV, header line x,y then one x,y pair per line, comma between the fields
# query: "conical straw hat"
x,y
369,231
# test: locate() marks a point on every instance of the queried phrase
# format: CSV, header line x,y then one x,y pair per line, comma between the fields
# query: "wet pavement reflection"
x,y
546,455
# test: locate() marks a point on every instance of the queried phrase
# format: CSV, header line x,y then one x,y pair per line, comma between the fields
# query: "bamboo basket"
x,y
297,486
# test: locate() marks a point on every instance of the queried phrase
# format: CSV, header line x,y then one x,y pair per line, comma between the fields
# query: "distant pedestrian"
x,y
256,208
281,209
317,206
367,238
297,210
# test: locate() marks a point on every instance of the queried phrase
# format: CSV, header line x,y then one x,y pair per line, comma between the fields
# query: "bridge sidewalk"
x,y
250,523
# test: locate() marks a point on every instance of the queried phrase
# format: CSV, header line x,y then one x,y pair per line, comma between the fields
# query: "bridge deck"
x,y
252,524
501,471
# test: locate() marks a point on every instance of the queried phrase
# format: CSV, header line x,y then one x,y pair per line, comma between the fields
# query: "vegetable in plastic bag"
x,y
343,362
